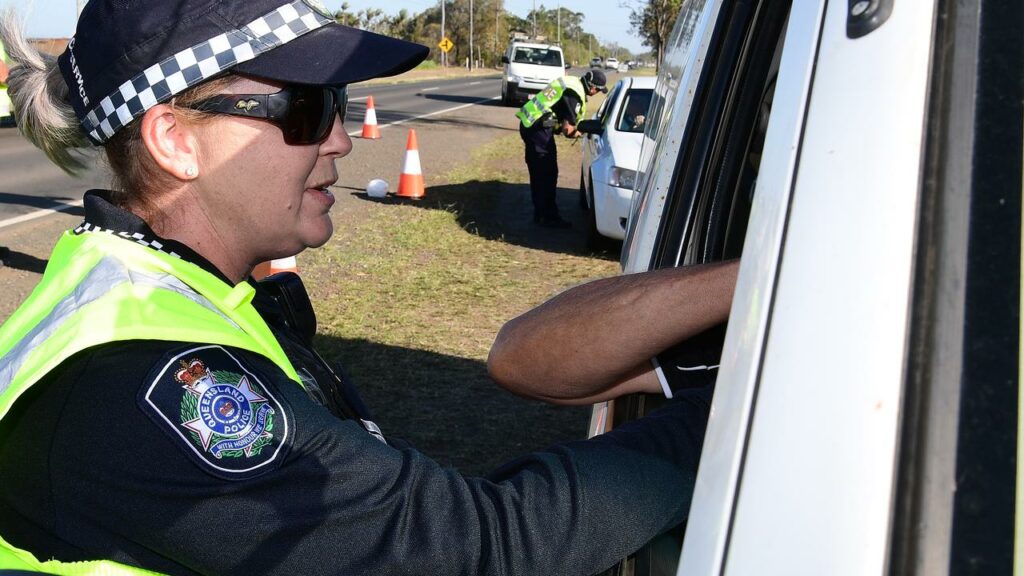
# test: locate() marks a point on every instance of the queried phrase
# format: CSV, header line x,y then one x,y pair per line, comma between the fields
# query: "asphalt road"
x,y
31,187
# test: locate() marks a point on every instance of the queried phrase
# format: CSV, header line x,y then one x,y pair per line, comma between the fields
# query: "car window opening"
x,y
721,199
633,115
728,197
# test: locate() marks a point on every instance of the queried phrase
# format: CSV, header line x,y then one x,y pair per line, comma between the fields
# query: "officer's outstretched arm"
x,y
594,342
569,129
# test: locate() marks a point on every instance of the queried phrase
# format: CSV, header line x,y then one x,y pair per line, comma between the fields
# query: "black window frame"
x,y
604,112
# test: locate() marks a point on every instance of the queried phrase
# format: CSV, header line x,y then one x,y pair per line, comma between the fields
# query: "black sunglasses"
x,y
305,114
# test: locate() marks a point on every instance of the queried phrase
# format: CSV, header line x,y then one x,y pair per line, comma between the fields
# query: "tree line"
x,y
493,26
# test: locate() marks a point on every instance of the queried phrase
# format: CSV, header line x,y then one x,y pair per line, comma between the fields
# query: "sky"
x,y
56,18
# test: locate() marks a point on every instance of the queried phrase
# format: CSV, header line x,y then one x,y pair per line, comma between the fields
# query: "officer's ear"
x,y
170,141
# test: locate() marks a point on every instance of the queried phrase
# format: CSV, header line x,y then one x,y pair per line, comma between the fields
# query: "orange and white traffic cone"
x,y
264,269
370,129
410,184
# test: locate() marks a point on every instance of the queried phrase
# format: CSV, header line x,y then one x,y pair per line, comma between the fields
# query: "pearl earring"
x,y
191,172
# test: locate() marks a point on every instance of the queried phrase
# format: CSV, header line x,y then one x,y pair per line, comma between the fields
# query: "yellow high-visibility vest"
x,y
100,288
541,103
5,99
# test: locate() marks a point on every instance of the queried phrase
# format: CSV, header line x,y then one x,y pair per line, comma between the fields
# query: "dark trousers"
x,y
542,162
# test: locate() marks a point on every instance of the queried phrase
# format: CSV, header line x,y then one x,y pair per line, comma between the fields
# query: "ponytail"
x,y
40,98
46,118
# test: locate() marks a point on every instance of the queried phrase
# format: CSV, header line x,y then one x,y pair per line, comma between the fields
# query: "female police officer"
x,y
159,411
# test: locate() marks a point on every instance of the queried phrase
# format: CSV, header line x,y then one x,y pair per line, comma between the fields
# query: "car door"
x,y
594,144
707,126
865,418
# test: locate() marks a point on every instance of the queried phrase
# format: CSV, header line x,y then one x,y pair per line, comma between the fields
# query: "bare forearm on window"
x,y
594,341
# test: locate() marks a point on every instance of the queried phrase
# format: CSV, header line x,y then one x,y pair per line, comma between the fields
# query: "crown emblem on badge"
x,y
190,372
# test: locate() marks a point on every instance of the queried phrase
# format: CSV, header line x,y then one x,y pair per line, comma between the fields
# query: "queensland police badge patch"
x,y
228,421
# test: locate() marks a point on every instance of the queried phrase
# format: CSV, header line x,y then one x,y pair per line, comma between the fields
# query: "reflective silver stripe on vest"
x,y
104,277
538,110
541,110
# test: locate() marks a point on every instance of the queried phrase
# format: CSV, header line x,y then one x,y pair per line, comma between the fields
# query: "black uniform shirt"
x,y
566,107
189,458
541,137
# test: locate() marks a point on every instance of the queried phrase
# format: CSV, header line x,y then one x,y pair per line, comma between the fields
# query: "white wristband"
x,y
661,377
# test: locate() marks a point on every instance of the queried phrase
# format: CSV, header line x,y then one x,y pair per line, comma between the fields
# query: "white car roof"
x,y
642,81
531,45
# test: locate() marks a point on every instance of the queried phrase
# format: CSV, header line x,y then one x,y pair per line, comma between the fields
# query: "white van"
x,y
529,68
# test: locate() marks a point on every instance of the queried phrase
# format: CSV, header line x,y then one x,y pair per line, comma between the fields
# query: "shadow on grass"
x,y
503,211
448,407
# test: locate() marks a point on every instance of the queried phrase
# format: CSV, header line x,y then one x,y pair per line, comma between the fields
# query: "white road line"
x,y
482,100
80,203
431,89
474,83
360,99
40,213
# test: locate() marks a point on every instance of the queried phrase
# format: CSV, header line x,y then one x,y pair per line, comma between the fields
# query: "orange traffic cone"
x,y
264,269
370,128
410,184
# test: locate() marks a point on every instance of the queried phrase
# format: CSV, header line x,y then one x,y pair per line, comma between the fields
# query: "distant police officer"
x,y
5,118
5,100
557,108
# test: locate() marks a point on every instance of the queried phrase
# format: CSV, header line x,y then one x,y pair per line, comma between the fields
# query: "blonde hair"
x,y
46,118
40,98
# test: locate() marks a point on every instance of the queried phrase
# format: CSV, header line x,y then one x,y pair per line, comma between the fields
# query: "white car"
x,y
611,152
611,63
864,161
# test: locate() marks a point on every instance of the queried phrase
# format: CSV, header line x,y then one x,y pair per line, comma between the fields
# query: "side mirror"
x,y
592,126
504,59
568,66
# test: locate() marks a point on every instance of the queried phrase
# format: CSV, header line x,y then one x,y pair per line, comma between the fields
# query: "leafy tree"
x,y
374,20
492,29
346,17
654,22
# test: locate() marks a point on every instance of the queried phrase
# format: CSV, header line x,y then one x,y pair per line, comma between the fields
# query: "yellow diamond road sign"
x,y
445,45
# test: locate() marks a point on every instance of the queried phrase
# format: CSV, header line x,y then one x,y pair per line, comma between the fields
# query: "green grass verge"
x,y
411,297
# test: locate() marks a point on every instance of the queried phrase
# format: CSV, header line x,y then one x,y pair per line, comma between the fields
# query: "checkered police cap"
x,y
129,55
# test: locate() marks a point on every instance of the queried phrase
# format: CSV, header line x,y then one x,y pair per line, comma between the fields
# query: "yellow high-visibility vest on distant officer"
x,y
5,99
541,103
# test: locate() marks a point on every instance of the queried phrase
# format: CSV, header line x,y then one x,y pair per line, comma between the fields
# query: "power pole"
x,y
534,18
578,57
444,55
559,23
471,34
